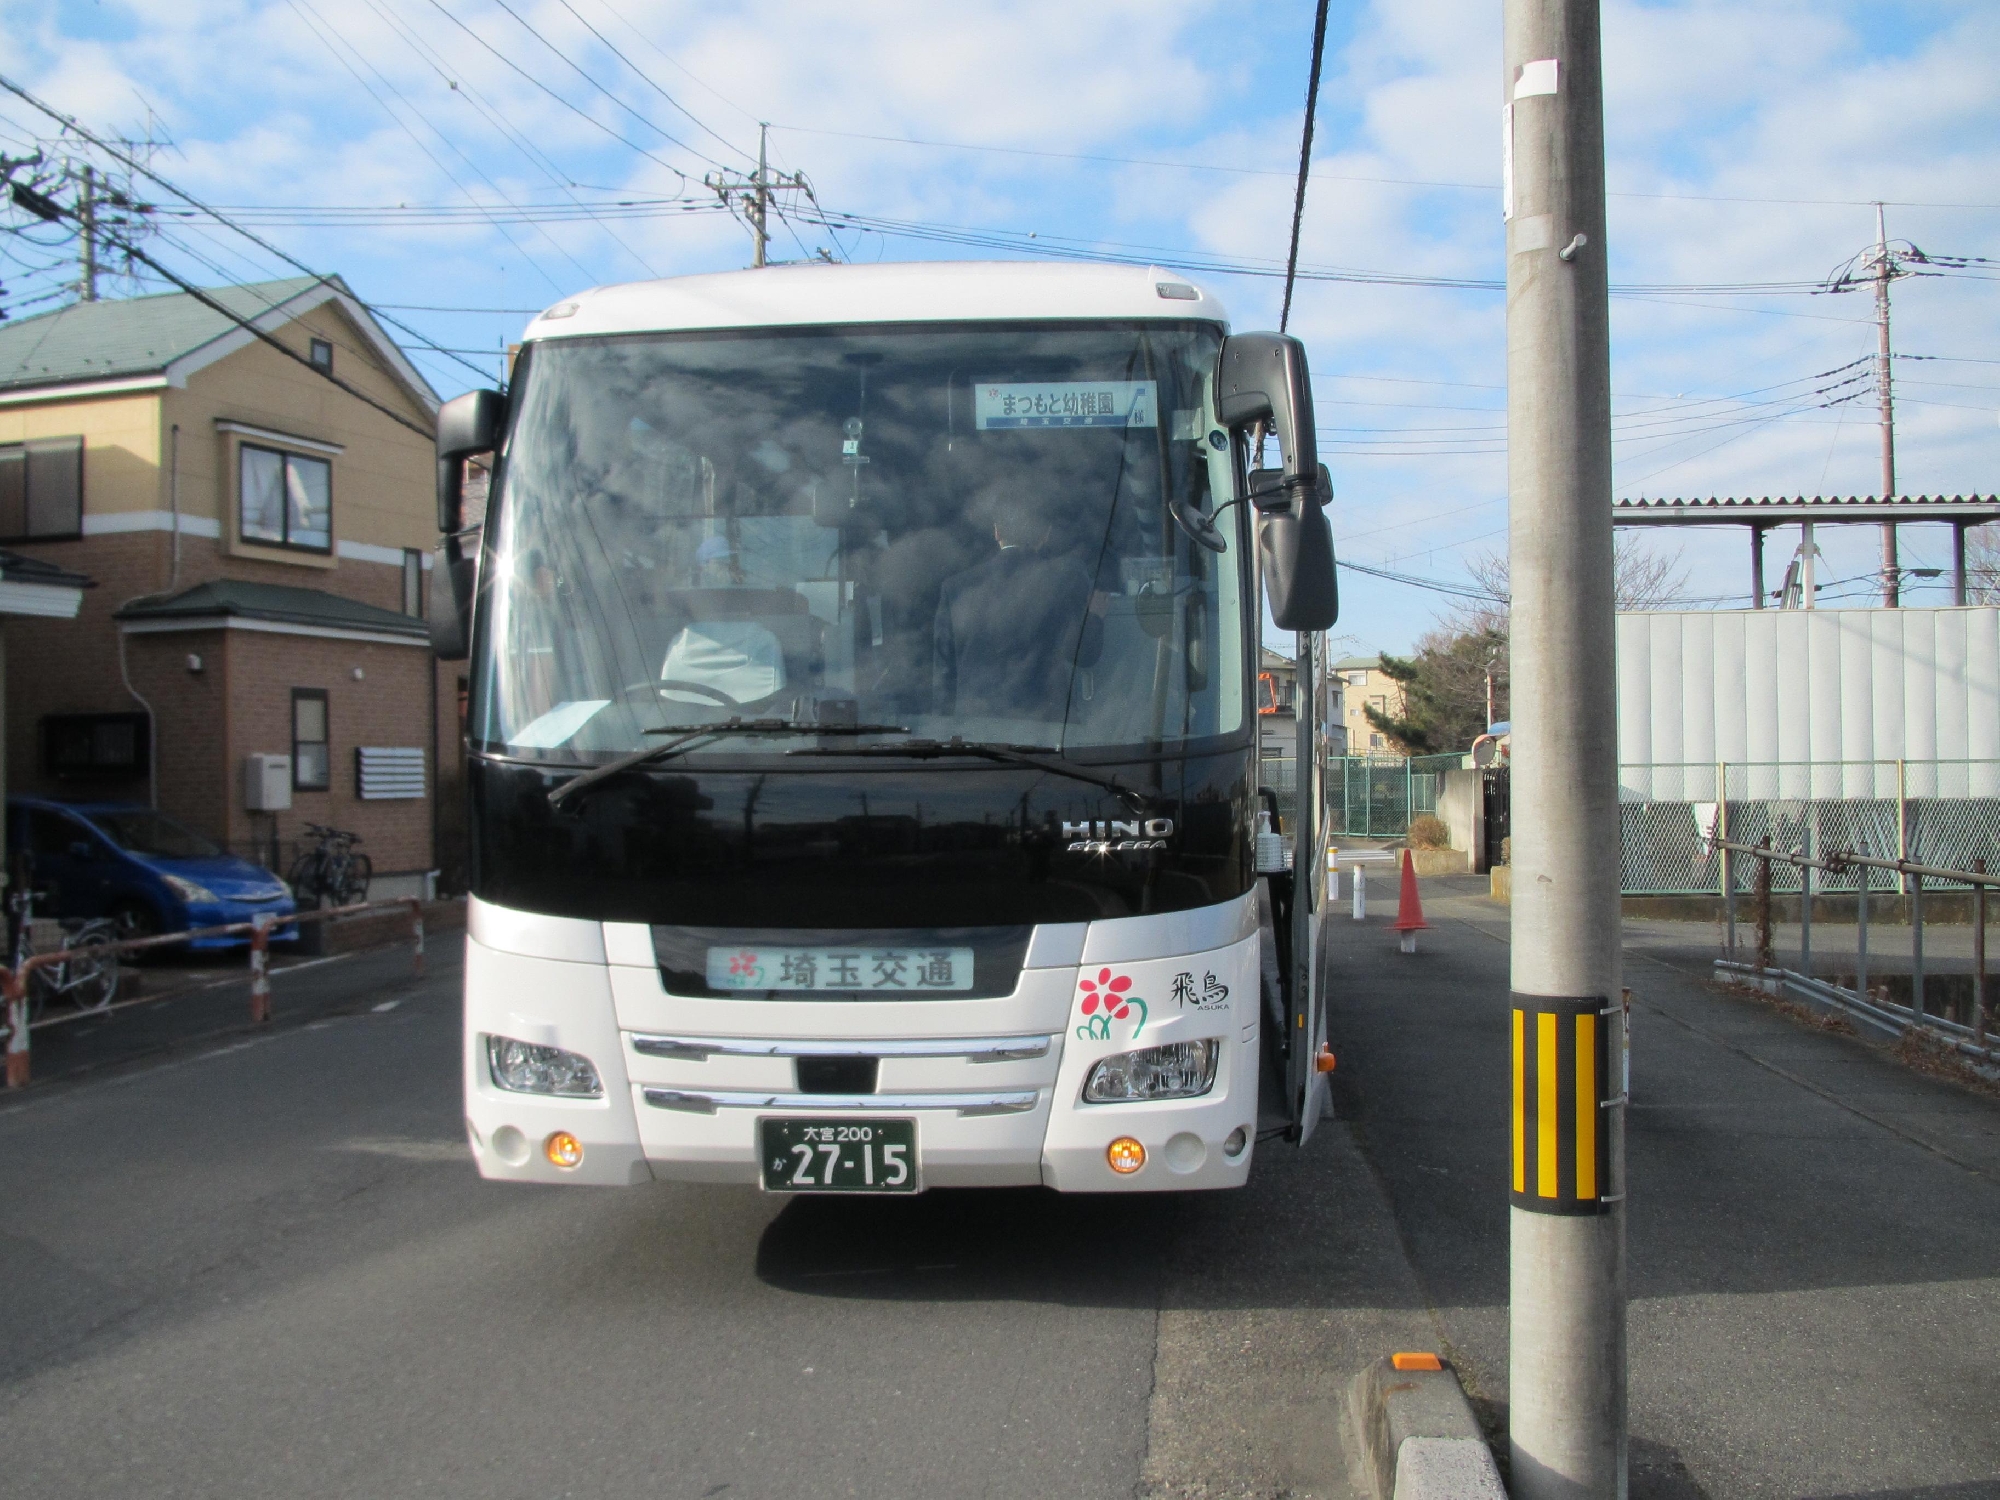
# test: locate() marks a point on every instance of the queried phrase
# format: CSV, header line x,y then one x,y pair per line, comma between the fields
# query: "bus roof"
x,y
907,292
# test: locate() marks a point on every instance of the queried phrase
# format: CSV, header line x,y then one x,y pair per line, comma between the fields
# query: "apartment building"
x,y
1367,685
260,539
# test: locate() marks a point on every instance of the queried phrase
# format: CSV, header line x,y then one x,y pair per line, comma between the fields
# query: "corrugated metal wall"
x,y
1823,685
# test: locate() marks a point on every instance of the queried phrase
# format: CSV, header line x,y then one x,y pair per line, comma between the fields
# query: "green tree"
x,y
1444,681
1444,690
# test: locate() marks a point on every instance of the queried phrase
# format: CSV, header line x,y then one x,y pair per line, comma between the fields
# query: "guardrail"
x,y
1862,1001
14,981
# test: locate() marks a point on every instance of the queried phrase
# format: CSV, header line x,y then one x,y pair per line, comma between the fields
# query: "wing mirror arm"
x,y
467,425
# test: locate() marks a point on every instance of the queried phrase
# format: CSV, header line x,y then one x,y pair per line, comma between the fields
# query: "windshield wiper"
x,y
1013,755
686,735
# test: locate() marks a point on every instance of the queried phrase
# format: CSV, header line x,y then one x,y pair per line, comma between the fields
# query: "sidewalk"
x,y
1814,1289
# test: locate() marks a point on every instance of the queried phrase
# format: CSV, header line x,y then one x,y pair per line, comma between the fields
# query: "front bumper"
x,y
994,1085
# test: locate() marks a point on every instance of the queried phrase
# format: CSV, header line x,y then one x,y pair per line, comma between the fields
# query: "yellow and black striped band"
x,y
1561,1082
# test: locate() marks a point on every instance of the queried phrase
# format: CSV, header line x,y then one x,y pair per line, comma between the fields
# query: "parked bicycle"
x,y
331,873
87,975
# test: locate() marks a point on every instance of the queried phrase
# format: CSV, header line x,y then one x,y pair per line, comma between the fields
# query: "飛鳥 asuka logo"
x,y
1104,1000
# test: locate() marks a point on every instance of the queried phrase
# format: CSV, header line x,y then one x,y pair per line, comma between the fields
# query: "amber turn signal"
x,y
1416,1361
563,1150
1125,1155
1324,1062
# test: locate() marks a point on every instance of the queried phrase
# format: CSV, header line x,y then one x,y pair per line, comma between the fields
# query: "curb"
x,y
1416,1436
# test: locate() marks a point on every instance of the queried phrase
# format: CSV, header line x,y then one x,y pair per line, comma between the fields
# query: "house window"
x,y
41,489
311,764
286,499
1375,741
80,747
320,352
413,582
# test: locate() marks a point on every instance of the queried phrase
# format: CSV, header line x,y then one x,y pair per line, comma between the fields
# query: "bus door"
x,y
1306,1087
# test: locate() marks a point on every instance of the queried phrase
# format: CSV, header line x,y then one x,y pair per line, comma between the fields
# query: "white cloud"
x,y
1707,99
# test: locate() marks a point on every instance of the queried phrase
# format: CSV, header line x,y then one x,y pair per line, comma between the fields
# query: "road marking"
x,y
314,963
405,1149
386,1005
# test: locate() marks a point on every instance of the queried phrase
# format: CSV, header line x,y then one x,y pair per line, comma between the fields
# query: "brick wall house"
x,y
261,543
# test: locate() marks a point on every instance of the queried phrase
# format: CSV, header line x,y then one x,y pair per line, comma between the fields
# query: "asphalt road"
x,y
240,1263
262,1265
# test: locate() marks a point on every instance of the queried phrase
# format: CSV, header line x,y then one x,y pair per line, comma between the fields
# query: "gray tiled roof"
x,y
1358,664
128,336
274,601
16,568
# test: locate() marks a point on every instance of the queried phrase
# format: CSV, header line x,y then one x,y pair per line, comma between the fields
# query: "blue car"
x,y
149,873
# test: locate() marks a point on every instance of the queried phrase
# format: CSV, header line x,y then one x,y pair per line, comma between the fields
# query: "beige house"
x,y
260,540
1367,685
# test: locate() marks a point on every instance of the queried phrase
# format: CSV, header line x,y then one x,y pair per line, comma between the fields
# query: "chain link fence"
x,y
1376,796
1939,812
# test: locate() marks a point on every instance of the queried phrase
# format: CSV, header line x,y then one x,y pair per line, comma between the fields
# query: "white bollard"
x,y
1360,894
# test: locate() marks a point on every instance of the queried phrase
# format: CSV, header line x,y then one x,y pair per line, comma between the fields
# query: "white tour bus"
x,y
862,764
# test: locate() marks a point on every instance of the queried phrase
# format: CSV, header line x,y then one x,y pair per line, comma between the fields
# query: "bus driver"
x,y
1010,630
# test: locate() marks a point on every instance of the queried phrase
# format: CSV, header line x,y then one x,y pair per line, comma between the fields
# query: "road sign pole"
x,y
1567,1372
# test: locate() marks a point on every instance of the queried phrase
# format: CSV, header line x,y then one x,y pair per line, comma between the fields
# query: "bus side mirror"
x,y
1295,547
466,426
451,604
1262,378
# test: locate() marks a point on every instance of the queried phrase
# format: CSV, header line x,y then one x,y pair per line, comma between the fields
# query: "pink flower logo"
x,y
1106,999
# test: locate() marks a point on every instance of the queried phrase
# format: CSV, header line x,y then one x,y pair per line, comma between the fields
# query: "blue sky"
x,y
1746,141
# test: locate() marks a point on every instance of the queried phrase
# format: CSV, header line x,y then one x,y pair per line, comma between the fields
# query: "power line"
x,y
574,109
578,69
526,147
1414,182
1305,161
145,170
648,80
315,22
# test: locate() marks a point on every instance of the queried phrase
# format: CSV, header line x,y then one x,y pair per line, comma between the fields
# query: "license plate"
x,y
839,1156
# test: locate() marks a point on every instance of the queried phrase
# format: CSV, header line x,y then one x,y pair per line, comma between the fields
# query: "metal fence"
x,y
1938,812
1376,796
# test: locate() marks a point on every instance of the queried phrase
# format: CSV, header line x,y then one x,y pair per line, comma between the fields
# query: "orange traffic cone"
x,y
1409,910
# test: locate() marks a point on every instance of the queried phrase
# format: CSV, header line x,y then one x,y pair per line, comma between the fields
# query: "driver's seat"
x,y
729,643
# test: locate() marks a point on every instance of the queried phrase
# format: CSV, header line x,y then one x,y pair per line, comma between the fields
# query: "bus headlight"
x,y
1179,1070
525,1068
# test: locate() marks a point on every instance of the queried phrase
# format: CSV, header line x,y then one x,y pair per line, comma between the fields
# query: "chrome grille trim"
x,y
972,1049
709,1101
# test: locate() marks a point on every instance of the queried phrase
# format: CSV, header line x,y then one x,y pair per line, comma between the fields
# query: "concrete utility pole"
x,y
86,212
755,192
1892,575
1567,1243
760,214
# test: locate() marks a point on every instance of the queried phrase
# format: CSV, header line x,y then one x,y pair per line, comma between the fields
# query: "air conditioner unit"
x,y
267,783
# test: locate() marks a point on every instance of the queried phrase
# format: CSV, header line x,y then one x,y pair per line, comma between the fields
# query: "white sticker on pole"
x,y
1530,79
1065,403
1535,78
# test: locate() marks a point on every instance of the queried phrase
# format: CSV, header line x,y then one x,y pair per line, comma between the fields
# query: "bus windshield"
x,y
944,531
